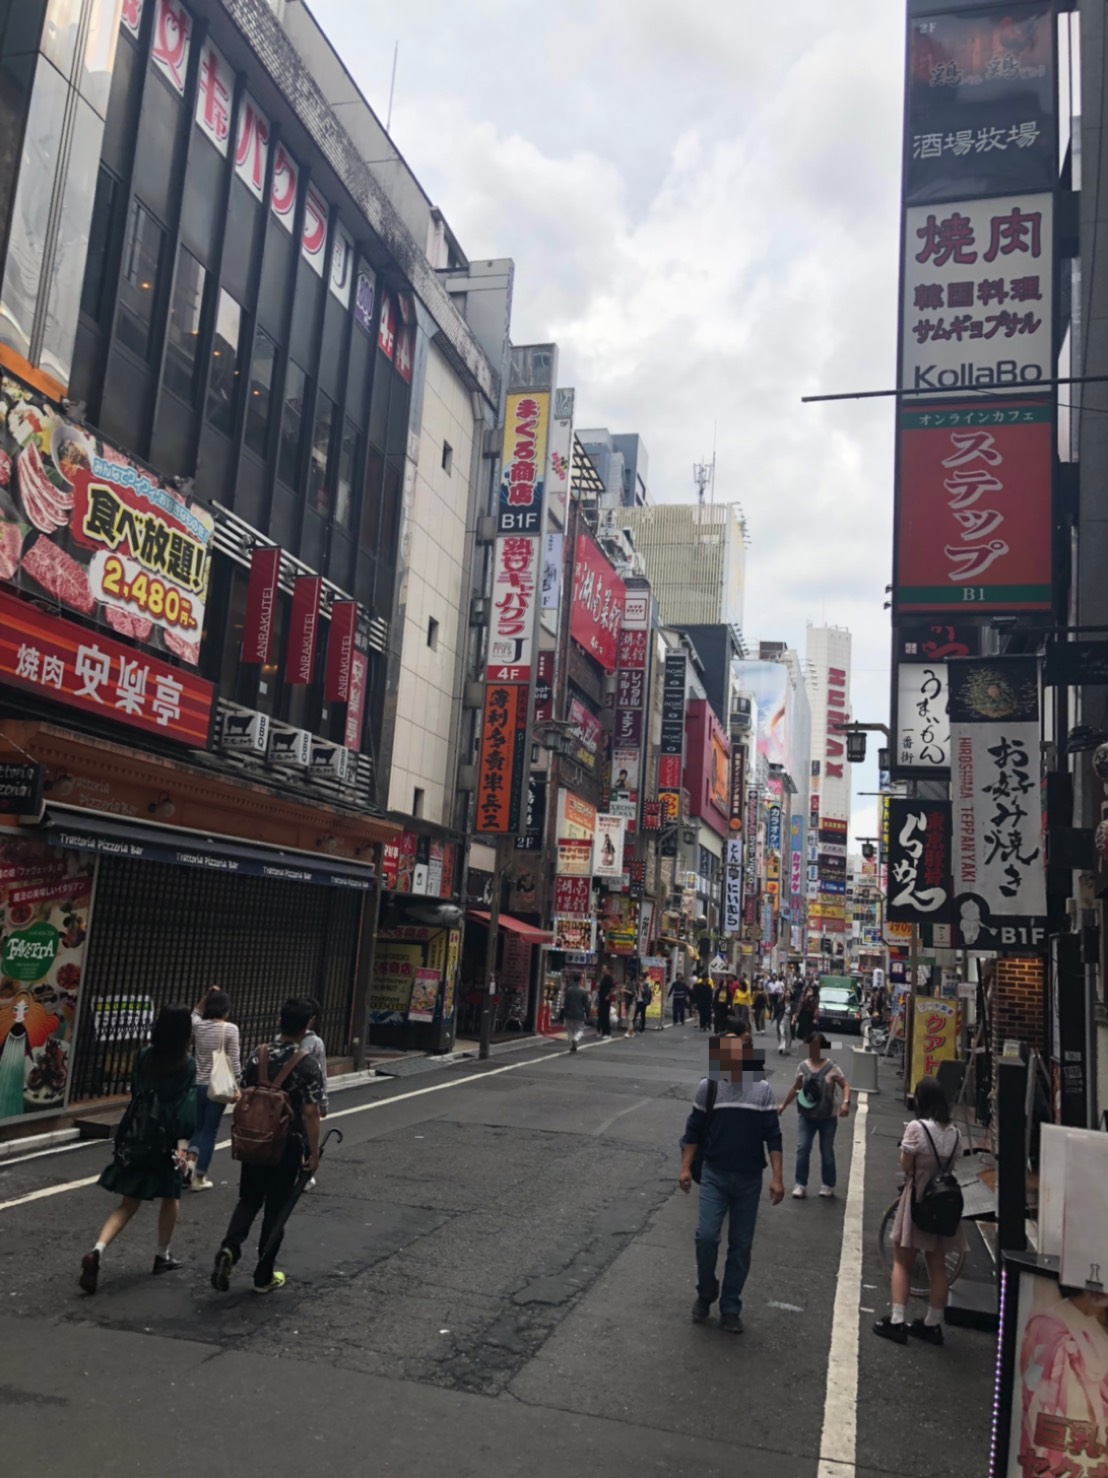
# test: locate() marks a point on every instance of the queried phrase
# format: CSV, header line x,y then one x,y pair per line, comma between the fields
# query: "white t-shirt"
x,y
946,1138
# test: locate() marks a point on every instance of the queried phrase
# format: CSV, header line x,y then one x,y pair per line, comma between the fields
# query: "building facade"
x,y
695,559
827,662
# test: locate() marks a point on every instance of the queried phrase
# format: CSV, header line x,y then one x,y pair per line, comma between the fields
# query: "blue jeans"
x,y
208,1115
736,1196
806,1131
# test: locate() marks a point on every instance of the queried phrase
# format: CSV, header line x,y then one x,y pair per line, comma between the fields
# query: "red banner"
x,y
355,704
502,758
572,898
262,595
340,651
303,629
65,663
599,596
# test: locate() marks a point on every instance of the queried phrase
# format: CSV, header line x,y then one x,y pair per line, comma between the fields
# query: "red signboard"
x,y
355,704
502,759
61,661
390,864
340,651
974,513
599,596
303,629
572,898
262,595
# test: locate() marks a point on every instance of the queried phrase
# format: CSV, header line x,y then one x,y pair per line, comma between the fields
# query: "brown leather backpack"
x,y
263,1116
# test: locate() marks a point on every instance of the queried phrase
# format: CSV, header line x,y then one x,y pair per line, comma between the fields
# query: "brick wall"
x,y
1018,1006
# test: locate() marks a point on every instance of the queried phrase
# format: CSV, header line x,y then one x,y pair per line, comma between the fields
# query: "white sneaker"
x,y
826,1190
201,1183
799,1192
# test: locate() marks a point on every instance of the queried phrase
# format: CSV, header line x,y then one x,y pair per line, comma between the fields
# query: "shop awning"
x,y
86,832
527,932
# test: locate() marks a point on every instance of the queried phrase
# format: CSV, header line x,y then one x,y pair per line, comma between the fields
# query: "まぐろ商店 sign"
x,y
97,532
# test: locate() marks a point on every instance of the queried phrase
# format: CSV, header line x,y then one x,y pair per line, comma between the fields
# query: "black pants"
x,y
722,1013
640,1016
604,1016
678,1013
705,1013
760,1017
269,1186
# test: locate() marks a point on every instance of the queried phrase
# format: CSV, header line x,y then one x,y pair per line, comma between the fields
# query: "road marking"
x,y
789,1308
45,1192
607,1124
838,1448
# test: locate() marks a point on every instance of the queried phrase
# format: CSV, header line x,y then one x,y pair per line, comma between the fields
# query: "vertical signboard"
x,y
671,750
340,651
599,597
307,591
919,861
262,594
630,715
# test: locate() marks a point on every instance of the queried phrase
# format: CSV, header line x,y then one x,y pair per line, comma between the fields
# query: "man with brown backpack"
x,y
274,1136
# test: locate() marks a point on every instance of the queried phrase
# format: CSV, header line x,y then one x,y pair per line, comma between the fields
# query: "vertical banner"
x,y
262,594
999,873
934,1035
340,650
671,750
733,887
307,591
919,862
359,688
503,736
630,716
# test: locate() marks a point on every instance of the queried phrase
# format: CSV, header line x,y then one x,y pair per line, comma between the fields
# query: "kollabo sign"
x,y
977,295
973,524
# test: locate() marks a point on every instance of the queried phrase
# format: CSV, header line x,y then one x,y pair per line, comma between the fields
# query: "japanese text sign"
x,y
934,1035
359,691
920,887
980,103
977,294
96,532
313,241
737,786
252,147
572,898
286,177
214,97
131,16
515,595
63,662
922,722
503,735
973,522
169,49
596,615
523,463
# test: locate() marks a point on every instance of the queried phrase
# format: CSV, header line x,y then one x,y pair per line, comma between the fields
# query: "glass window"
x,y
319,490
292,424
261,390
142,258
371,500
224,379
344,483
104,208
183,338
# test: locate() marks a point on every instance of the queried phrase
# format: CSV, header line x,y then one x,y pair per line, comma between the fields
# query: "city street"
x,y
493,1275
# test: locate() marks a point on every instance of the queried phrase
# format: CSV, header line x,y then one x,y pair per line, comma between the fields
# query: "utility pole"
x,y
488,1003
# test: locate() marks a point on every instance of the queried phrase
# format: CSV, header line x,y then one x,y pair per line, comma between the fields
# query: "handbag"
x,y
698,1158
222,1087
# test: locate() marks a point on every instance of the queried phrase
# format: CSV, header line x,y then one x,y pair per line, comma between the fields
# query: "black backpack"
x,y
709,1109
819,1088
938,1208
144,1138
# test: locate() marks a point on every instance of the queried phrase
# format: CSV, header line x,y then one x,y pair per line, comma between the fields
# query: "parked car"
x,y
840,1004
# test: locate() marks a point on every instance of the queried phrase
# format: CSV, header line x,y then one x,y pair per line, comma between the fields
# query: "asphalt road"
x,y
492,1277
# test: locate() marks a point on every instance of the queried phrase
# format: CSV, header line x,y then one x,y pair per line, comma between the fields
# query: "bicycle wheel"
x,y
919,1283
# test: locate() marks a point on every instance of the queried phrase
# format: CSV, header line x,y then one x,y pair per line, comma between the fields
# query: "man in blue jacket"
x,y
736,1123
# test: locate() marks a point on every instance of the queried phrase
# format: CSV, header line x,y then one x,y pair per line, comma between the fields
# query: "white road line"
x,y
45,1192
838,1448
607,1124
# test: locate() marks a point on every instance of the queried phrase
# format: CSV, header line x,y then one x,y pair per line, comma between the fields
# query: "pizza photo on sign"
x,y
99,534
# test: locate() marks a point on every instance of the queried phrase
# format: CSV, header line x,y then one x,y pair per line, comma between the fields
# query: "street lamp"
x,y
856,739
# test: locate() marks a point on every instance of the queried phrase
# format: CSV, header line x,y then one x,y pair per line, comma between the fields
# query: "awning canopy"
x,y
179,848
527,932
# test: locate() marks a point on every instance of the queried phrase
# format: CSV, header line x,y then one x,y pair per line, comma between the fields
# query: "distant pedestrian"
x,y
742,999
721,1005
702,1000
806,1013
930,1147
733,1151
643,997
576,1011
150,1157
285,1139
761,1005
814,1087
604,1003
313,1043
783,1022
679,998
211,1033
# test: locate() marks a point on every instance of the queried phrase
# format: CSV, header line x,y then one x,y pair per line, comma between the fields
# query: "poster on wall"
x,y
84,525
395,965
45,896
425,995
607,859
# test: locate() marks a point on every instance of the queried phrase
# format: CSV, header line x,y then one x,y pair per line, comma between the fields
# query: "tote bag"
x,y
222,1087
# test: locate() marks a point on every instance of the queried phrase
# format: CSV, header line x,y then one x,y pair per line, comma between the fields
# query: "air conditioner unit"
x,y
479,611
741,716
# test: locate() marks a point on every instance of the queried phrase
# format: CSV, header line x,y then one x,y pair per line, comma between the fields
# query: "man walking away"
x,y
576,1010
721,1004
702,1000
604,1003
733,1125
285,1140
679,996
814,1090
761,1004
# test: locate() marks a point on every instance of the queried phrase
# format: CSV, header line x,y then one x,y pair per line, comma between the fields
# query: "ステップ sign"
x,y
67,664
97,533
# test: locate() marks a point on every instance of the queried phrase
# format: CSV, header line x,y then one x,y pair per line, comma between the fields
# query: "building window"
x,y
433,634
224,380
417,801
447,457
101,230
261,391
183,338
319,492
142,258
344,483
292,424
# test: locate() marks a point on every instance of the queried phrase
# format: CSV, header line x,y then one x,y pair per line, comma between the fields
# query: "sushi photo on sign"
x,y
82,523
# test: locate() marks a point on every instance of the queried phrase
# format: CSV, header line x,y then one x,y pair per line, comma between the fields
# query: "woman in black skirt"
x,y
151,1145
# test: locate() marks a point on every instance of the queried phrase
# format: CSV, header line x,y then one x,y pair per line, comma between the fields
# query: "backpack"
x,y
938,1208
263,1116
819,1092
709,1109
144,1139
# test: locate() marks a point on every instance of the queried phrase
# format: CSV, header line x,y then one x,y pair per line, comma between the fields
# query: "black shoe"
x,y
886,1329
931,1334
221,1272
90,1271
166,1264
700,1311
731,1323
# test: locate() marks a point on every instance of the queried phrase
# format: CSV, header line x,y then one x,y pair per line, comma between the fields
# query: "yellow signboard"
x,y
934,1035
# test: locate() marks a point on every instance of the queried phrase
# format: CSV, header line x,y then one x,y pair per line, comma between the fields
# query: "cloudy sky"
x,y
702,210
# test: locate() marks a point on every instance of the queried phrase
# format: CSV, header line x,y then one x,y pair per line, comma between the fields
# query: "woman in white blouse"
x,y
210,1031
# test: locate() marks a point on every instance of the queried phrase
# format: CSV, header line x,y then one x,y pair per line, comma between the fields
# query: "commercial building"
x,y
622,464
695,559
242,440
827,663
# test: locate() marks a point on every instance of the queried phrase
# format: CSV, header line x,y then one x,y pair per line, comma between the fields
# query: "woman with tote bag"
x,y
218,1070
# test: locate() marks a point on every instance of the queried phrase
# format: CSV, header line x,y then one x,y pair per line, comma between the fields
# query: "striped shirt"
x,y
744,1124
208,1037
